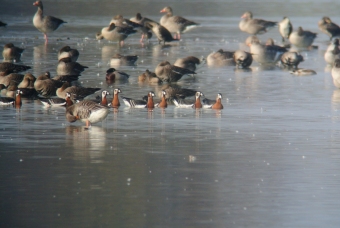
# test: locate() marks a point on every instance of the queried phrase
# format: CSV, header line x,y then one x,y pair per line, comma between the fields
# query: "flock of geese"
x,y
14,85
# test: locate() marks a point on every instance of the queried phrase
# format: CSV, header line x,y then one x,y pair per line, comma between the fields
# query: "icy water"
x,y
270,158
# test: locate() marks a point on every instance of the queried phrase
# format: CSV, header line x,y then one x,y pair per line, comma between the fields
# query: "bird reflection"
x,y
87,143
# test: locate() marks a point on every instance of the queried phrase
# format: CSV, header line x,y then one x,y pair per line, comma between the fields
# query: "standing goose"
x,y
163,103
302,38
333,52
12,53
170,73
12,101
254,26
336,73
115,33
86,111
285,28
213,104
140,103
163,34
115,101
144,30
183,103
328,27
66,52
176,24
45,24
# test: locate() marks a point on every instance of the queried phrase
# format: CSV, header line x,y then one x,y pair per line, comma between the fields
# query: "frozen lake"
x,y
270,158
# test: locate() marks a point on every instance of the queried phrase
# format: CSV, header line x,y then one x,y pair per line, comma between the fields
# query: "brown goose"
x,y
12,53
86,111
27,81
66,52
7,68
67,67
333,52
163,34
46,86
144,30
302,38
190,62
254,26
115,33
291,59
149,77
80,92
221,58
266,54
243,59
176,24
45,24
327,26
170,73
17,78
173,90
285,28
213,104
126,60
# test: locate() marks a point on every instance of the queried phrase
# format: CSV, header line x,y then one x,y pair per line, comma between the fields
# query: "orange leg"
x,y
87,124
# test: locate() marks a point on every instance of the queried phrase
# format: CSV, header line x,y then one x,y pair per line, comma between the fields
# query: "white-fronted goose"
x,y
190,62
170,73
126,60
68,52
176,24
163,34
12,53
46,86
254,26
115,33
285,28
45,24
144,30
266,54
80,92
327,26
149,77
86,111
301,38
221,58
67,67
7,68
